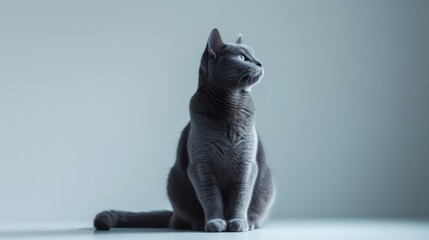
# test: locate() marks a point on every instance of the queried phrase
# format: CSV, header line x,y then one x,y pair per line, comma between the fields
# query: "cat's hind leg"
x,y
177,222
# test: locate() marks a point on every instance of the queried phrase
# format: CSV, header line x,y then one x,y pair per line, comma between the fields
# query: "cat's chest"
x,y
226,143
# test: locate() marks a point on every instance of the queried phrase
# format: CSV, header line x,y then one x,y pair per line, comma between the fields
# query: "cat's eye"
x,y
241,57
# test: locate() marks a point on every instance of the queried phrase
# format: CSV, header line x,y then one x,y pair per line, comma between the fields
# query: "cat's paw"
x,y
215,225
103,221
237,225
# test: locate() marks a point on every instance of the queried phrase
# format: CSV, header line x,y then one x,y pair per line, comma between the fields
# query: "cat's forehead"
x,y
232,48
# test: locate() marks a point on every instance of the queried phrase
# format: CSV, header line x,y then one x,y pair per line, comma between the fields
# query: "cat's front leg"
x,y
240,196
209,195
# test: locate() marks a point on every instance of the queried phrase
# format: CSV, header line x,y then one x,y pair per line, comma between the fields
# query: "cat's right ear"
x,y
214,44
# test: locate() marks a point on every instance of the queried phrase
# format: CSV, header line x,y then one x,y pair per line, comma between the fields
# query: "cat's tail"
x,y
120,219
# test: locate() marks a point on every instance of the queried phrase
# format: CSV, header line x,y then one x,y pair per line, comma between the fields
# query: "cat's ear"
x,y
239,40
214,44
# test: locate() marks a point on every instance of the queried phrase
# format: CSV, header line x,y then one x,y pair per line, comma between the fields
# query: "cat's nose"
x,y
258,63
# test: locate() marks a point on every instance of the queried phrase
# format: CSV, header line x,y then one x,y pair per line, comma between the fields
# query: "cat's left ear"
x,y
239,39
214,44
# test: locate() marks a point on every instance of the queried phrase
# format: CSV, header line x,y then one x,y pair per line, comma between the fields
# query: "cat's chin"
x,y
254,81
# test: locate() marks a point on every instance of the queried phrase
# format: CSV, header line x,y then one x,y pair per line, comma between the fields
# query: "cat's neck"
x,y
217,102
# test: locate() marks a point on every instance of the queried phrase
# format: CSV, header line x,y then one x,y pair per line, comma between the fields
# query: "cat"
x,y
220,180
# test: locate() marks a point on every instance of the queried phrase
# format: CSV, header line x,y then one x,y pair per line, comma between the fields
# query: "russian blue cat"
x,y
220,180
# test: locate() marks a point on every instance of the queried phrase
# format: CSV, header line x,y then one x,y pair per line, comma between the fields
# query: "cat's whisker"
x,y
267,87
247,80
253,71
242,78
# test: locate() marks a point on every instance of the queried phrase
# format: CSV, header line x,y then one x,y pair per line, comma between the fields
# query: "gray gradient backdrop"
x,y
94,94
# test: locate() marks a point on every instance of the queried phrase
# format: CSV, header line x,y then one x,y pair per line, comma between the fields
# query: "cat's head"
x,y
229,66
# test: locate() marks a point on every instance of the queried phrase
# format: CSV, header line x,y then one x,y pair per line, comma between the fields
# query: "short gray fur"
x,y
220,181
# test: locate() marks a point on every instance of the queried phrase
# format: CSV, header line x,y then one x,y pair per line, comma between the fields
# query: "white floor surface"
x,y
284,230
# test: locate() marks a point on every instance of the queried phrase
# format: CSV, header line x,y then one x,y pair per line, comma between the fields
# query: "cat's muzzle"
x,y
256,76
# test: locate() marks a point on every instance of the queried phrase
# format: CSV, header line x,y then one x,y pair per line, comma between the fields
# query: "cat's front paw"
x,y
215,225
237,225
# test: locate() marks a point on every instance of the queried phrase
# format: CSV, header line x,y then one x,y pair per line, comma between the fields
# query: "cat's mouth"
x,y
256,75
253,78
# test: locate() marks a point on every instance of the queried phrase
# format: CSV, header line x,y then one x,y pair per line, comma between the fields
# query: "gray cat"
x,y
220,181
